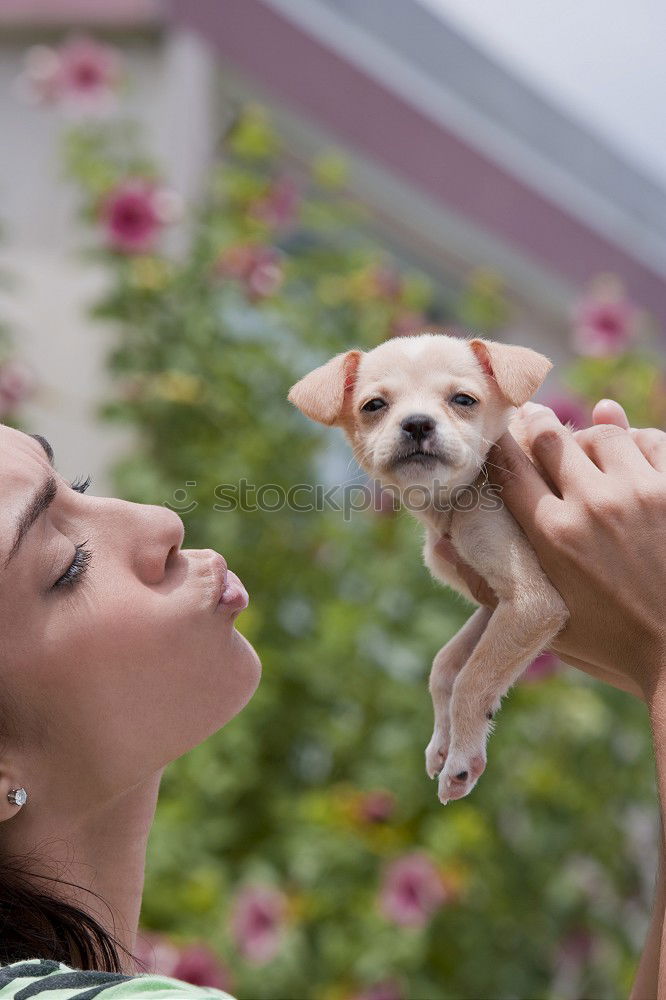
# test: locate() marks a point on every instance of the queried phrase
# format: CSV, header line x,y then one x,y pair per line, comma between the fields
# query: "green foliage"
x,y
346,621
635,378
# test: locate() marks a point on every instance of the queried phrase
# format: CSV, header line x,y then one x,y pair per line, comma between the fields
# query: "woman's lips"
x,y
234,595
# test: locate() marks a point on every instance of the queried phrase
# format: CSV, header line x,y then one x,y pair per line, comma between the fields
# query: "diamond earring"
x,y
18,796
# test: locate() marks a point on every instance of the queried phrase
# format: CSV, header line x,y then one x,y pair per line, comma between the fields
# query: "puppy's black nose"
x,y
418,426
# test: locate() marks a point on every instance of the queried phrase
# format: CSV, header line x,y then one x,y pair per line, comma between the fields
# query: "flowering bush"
x,y
258,915
196,964
81,75
18,382
303,844
134,212
412,890
605,320
619,356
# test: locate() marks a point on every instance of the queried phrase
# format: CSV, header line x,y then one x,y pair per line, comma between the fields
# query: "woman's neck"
x,y
102,850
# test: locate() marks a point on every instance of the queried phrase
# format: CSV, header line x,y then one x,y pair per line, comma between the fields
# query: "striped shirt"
x,y
37,976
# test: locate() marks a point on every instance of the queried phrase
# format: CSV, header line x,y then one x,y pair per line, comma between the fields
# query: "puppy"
x,y
421,414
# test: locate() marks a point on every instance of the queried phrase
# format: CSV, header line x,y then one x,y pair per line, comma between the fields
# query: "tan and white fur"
x,y
405,408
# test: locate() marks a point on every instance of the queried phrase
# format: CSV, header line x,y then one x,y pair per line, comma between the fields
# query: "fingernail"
x,y
612,410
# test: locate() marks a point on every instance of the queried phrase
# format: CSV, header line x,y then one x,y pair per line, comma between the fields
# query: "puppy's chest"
x,y
486,540
442,525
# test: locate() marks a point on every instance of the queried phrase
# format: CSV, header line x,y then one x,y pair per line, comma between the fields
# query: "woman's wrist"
x,y
652,674
646,981
656,702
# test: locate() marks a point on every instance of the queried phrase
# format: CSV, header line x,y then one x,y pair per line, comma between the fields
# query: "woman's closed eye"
x,y
79,564
77,568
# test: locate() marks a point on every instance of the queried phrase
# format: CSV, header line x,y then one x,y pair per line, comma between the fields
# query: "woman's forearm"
x,y
650,982
646,982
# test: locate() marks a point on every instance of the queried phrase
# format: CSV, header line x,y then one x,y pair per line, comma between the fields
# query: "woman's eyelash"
x,y
81,486
77,568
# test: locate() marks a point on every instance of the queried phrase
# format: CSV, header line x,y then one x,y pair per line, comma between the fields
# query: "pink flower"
x,y
406,323
604,321
199,965
387,281
577,946
258,917
377,806
195,964
257,266
279,205
134,214
569,409
155,952
17,383
388,989
412,890
236,261
266,274
540,669
82,73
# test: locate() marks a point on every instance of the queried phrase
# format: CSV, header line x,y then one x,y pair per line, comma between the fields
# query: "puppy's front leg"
x,y
521,626
528,616
445,668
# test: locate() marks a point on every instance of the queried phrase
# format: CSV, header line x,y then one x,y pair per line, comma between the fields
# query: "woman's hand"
x,y
596,517
597,521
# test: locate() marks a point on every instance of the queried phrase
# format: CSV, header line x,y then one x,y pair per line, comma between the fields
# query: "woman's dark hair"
x,y
35,924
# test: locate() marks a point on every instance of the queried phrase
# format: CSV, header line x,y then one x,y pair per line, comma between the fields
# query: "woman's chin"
x,y
243,675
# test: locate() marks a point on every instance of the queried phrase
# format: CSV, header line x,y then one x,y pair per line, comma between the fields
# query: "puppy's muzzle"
x,y
417,442
416,428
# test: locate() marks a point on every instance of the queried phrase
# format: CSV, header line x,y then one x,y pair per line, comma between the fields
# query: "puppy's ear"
x,y
321,394
518,371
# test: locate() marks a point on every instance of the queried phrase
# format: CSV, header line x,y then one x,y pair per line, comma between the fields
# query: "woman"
x,y
119,655
118,659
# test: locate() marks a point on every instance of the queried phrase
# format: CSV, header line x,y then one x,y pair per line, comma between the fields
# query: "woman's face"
x,y
119,661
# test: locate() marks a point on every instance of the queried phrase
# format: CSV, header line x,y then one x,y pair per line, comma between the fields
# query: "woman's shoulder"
x,y
22,980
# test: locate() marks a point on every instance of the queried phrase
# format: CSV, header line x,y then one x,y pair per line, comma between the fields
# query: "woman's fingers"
x,y
609,442
522,488
608,411
555,448
652,443
648,440
612,449
569,462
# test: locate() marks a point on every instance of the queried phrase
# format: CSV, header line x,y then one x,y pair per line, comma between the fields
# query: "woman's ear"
x,y
321,395
518,371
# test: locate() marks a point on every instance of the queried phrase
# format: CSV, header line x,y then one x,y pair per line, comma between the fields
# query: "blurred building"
x,y
461,164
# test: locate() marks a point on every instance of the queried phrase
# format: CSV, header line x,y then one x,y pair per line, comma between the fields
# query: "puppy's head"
x,y
425,410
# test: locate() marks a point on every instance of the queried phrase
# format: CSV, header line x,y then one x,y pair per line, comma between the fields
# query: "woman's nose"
x,y
158,538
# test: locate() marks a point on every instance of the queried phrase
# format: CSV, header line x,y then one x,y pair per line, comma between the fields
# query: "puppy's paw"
x,y
460,774
436,752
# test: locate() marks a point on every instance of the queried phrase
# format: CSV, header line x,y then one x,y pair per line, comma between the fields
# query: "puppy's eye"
x,y
463,399
373,404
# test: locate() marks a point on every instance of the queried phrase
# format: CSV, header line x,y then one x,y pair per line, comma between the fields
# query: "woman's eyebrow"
x,y
45,445
40,502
